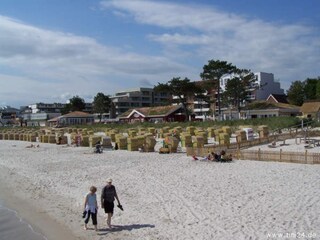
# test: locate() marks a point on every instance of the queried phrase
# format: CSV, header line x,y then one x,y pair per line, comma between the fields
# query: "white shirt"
x,y
91,202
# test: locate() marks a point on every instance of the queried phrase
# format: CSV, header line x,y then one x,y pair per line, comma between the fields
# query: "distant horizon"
x,y
52,51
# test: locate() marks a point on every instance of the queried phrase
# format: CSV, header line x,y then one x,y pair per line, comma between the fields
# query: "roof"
x,y
160,111
268,105
310,107
8,109
77,114
55,119
279,98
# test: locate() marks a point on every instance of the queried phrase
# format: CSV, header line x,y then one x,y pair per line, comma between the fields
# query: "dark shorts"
x,y
108,207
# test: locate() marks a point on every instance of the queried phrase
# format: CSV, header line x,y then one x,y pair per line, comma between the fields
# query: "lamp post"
x,y
219,102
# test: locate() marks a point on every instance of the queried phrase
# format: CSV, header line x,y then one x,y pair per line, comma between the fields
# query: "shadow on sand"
x,y
119,228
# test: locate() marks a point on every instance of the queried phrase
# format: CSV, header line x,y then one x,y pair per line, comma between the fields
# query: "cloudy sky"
x,y
52,50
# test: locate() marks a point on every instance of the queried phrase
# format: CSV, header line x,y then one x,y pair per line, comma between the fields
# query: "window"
x,y
123,104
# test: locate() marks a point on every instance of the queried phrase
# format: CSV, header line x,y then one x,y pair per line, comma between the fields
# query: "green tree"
x,y
310,88
318,89
182,89
236,92
213,71
66,109
296,94
76,103
101,104
238,88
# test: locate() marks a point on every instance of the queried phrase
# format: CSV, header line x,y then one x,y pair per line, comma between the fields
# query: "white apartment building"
x,y
138,97
46,107
8,115
54,107
37,114
264,85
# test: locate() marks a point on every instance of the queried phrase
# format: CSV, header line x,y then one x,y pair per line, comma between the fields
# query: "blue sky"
x,y
55,49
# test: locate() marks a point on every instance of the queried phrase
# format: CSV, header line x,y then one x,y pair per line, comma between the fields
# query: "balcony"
x,y
199,110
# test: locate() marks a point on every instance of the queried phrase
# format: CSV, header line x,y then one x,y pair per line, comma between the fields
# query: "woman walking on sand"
x,y
91,208
108,195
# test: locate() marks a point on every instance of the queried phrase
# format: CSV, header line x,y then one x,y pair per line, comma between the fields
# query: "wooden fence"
x,y
259,155
279,156
239,150
232,148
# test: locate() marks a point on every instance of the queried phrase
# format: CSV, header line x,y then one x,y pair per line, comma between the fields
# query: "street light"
x,y
219,102
218,98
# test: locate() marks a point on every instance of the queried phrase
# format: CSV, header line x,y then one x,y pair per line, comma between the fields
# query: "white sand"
x,y
291,145
167,196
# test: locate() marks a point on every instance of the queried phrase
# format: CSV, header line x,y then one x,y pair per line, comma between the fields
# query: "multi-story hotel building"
x,y
138,97
261,88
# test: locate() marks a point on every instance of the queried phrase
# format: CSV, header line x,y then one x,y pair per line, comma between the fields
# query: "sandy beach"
x,y
164,196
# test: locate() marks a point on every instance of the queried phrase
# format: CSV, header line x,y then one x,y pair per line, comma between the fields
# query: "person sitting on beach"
x,y
224,157
211,156
273,144
116,147
216,157
141,149
98,147
91,208
59,140
208,157
31,146
219,156
195,158
78,139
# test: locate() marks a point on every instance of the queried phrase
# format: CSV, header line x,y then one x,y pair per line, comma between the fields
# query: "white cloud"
x,y
178,38
41,60
170,15
40,64
290,51
25,46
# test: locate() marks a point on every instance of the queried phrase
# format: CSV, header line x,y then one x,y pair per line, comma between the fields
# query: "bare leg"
x,y
109,219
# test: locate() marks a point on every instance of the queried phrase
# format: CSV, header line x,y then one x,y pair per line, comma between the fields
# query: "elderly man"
x,y
108,195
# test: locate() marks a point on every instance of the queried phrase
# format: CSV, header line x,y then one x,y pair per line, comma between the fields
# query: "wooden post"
x,y
306,156
259,154
238,150
280,154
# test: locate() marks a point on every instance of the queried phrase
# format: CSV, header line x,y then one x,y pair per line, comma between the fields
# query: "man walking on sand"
x,y
107,198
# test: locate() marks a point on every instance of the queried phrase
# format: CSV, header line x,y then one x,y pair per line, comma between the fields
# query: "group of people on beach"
x,y
215,157
108,195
